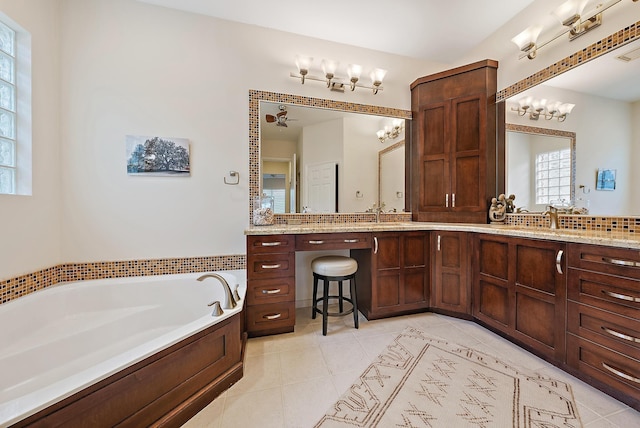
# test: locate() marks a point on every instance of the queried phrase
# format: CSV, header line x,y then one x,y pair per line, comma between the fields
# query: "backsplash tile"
x,y
578,222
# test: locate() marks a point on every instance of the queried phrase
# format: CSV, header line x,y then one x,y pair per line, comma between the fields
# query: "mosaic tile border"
x,y
256,96
14,288
626,225
606,45
341,218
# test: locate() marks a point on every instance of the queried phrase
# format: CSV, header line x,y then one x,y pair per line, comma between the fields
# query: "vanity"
x,y
570,298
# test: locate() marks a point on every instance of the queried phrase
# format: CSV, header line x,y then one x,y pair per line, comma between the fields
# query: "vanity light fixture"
x,y
334,82
541,107
574,21
390,132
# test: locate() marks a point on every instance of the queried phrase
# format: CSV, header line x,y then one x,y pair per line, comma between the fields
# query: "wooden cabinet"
x,y
519,289
454,144
603,326
451,287
270,305
393,278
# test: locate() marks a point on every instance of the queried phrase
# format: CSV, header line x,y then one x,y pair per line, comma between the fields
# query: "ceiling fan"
x,y
280,119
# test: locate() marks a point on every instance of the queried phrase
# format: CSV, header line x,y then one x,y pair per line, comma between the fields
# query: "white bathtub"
x,y
60,340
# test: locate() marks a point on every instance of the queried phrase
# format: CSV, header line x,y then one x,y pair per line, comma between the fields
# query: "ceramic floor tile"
x,y
260,372
626,418
291,379
209,417
373,345
306,402
303,365
262,409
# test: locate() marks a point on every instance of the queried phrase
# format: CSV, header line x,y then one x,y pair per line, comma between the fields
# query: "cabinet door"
x,y
519,288
451,288
399,275
433,154
539,296
468,153
491,289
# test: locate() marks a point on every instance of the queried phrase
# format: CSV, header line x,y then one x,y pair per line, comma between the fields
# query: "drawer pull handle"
x,y
278,266
621,373
453,200
272,291
272,316
621,335
375,245
439,238
446,200
316,242
621,296
559,261
619,262
350,241
271,244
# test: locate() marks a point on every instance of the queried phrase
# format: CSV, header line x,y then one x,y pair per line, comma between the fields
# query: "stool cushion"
x,y
334,266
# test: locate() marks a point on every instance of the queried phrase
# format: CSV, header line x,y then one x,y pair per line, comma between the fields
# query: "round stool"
x,y
334,268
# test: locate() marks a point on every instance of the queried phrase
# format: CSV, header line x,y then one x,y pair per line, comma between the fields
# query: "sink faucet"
x,y
553,216
230,302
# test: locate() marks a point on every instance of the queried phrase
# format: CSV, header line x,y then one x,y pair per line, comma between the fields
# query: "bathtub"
x,y
58,343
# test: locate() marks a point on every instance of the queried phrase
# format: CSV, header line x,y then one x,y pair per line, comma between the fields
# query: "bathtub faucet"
x,y
230,302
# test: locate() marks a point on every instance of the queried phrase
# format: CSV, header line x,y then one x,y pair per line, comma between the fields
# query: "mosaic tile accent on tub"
x,y
609,43
254,141
20,286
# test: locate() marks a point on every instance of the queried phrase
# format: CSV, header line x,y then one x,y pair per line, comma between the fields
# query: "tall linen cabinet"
x,y
454,149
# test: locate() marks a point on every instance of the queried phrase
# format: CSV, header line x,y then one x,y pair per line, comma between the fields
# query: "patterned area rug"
x,y
425,382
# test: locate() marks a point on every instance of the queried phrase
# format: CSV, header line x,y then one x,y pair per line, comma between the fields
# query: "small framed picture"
x,y
157,156
606,179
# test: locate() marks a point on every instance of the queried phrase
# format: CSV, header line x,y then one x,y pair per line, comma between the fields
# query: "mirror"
x,y
541,168
325,160
391,178
606,123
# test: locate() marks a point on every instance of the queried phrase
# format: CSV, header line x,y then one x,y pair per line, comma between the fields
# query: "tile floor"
x,y
291,379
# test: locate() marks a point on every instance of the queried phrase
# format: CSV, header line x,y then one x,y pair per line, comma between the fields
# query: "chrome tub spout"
x,y
229,302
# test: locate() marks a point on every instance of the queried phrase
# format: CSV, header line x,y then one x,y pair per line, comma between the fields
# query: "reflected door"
x,y
321,195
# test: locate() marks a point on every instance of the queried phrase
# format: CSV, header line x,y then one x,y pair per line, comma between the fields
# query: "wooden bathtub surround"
x,y
163,390
563,298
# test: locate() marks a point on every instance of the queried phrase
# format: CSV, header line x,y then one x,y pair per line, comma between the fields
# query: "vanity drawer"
x,y
614,261
270,243
277,317
333,241
274,290
613,293
268,265
605,328
609,367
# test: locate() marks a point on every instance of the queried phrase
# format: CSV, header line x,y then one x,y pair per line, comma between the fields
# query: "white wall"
x,y
31,224
134,68
603,130
635,158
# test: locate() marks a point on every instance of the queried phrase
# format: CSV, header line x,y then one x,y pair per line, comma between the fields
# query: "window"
x,y
8,119
553,176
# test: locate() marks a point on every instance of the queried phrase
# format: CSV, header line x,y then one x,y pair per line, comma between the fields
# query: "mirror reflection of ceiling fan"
x,y
279,119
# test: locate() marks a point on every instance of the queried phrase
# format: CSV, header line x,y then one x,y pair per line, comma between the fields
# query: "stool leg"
x,y
314,305
325,306
354,300
340,297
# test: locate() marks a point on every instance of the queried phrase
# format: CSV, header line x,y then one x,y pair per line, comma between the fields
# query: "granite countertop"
x,y
613,239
